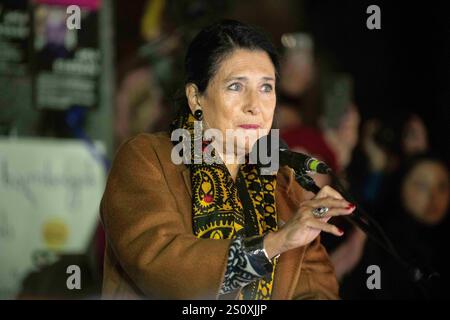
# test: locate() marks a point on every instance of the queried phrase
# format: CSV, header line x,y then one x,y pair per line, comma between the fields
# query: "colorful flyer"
x,y
66,54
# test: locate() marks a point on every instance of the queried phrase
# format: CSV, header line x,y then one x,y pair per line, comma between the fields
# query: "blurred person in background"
x,y
339,122
297,95
414,136
147,73
333,141
417,222
311,142
385,143
384,147
336,133
298,100
139,105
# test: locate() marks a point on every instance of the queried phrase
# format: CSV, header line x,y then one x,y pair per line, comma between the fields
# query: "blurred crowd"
x,y
388,166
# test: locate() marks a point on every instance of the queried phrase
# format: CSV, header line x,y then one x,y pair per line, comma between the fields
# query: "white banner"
x,y
50,192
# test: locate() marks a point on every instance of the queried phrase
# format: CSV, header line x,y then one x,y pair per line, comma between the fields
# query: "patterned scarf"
x,y
217,204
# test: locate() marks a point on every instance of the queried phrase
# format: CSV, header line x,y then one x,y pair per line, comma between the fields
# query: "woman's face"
x,y
241,97
426,192
415,138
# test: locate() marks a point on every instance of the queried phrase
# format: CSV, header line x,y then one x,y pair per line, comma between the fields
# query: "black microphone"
x,y
297,160
294,160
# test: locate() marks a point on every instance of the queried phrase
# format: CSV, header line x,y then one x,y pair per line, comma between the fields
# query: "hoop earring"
x,y
198,113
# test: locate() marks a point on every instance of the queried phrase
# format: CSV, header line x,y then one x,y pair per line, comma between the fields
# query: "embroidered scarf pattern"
x,y
217,204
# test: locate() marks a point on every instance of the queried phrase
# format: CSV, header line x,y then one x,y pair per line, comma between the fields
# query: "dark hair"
x,y
411,163
394,184
213,43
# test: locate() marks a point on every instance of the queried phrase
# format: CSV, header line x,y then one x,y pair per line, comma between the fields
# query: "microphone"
x,y
297,160
294,160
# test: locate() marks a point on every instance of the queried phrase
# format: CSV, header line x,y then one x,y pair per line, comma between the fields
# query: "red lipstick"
x,y
249,126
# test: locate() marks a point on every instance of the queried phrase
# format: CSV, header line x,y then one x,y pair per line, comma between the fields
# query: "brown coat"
x,y
151,251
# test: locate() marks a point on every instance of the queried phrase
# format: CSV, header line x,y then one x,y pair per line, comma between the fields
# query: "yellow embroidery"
x,y
218,212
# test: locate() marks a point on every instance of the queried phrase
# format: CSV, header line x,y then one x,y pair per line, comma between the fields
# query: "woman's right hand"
x,y
304,227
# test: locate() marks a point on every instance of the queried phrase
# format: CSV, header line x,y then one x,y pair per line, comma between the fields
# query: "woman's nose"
x,y
252,104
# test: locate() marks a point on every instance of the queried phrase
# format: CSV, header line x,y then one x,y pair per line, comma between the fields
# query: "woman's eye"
x,y
235,86
267,88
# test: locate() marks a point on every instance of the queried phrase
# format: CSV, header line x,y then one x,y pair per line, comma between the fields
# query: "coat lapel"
x,y
187,180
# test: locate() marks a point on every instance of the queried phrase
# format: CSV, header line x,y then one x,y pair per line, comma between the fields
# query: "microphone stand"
x,y
372,229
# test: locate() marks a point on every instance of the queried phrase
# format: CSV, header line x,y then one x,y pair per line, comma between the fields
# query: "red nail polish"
x,y
341,231
351,206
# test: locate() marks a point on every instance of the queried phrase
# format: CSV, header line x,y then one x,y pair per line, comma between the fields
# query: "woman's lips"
x,y
249,126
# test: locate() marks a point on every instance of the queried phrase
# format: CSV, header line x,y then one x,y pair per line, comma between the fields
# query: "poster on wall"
x,y
14,34
66,54
15,82
50,192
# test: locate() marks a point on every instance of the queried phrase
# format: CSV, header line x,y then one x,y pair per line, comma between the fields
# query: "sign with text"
x,y
66,59
14,34
50,192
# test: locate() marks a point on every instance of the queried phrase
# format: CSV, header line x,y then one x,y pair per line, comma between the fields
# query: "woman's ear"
x,y
192,96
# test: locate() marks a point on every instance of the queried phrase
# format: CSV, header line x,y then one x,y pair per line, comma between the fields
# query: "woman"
x,y
209,231
418,226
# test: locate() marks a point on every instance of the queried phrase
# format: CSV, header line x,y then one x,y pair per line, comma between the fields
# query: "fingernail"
x,y
351,206
341,231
